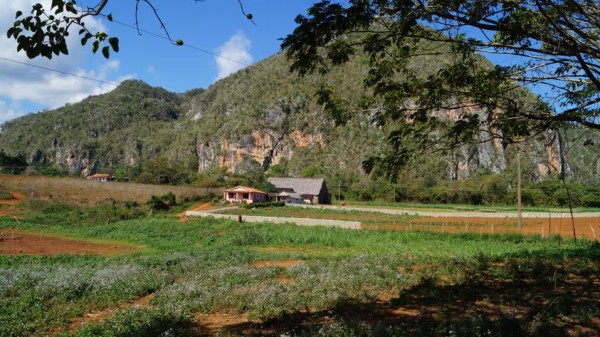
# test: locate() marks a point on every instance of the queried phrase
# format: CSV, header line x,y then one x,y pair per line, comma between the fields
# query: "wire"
x,y
172,41
116,84
59,71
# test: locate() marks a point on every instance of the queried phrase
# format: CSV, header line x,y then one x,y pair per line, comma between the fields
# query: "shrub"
x,y
265,204
157,204
131,204
163,202
170,199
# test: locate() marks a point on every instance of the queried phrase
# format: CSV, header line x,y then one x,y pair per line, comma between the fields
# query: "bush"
x,y
591,200
265,204
163,202
157,204
170,199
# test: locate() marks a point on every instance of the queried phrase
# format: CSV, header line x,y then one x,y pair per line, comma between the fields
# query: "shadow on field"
x,y
520,296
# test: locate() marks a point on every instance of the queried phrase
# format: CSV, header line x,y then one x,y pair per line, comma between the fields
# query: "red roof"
x,y
244,189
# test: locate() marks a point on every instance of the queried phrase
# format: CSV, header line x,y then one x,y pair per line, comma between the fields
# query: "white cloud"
x,y
8,112
234,55
27,84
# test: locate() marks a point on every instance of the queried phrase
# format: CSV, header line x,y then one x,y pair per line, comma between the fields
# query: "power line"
x,y
174,42
116,84
58,71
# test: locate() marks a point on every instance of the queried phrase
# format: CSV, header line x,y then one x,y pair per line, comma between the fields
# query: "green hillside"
x,y
266,119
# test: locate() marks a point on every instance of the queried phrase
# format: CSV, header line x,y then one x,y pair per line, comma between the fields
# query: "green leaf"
x,y
95,46
57,3
63,48
19,13
71,7
106,51
114,43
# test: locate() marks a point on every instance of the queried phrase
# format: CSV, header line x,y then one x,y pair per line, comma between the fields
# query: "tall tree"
x,y
553,46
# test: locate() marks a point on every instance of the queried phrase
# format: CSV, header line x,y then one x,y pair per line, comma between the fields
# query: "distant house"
x,y
101,177
244,194
301,190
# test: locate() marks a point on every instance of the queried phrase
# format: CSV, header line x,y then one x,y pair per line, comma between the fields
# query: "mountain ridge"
x,y
262,115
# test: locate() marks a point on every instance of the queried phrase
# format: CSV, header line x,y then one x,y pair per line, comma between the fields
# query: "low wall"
x,y
278,220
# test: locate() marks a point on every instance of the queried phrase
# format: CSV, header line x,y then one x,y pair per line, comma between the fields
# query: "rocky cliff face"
x,y
264,147
74,159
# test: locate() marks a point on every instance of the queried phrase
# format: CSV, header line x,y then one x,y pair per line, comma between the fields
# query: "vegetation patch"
x,y
211,276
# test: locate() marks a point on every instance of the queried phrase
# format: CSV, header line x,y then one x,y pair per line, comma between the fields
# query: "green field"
x,y
285,280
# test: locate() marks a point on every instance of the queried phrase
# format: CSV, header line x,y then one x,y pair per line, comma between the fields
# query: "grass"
x,y
5,195
347,283
372,218
79,190
453,207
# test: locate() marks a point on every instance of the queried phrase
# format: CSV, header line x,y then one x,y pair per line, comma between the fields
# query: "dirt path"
x,y
11,203
200,207
100,315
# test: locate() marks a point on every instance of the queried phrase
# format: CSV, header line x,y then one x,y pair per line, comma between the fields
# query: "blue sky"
x,y
214,33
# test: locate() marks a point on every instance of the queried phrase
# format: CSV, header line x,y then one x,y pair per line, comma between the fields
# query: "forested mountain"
x,y
262,118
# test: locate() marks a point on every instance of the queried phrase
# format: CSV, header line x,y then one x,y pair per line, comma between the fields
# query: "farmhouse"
x,y
244,194
301,190
101,177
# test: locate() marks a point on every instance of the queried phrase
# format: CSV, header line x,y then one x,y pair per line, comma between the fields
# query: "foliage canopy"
x,y
553,45
44,32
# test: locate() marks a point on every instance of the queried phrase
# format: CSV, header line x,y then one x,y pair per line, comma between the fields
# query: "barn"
x,y
308,190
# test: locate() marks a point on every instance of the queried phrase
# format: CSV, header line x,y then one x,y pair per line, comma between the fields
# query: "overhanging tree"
x,y
553,46
44,31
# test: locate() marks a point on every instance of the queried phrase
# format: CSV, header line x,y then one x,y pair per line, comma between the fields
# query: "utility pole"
x,y
519,204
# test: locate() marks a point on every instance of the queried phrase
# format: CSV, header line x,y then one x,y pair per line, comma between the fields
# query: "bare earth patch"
x,y
19,243
584,227
10,203
214,323
278,263
205,206
98,316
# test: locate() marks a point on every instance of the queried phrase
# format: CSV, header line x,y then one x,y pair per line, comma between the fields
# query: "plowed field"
x,y
19,243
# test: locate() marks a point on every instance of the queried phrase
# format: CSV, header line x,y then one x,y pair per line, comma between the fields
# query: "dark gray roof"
x,y
311,186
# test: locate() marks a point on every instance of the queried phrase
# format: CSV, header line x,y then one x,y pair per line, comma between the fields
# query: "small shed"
x,y
101,177
244,194
288,197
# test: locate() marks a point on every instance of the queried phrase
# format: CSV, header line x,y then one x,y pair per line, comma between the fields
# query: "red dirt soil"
x,y
584,227
17,242
17,197
277,263
20,243
97,316
200,207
